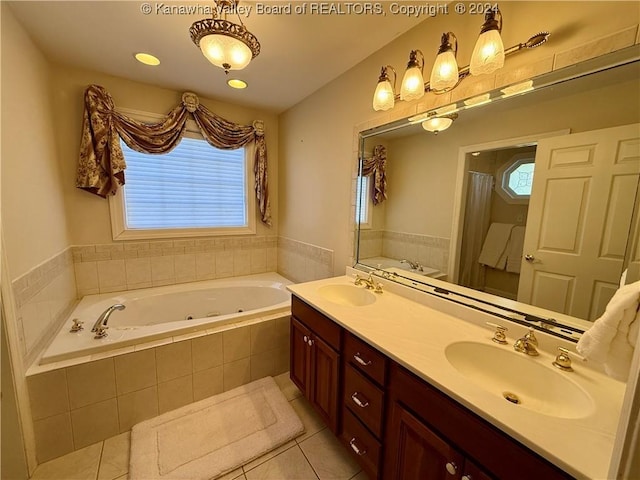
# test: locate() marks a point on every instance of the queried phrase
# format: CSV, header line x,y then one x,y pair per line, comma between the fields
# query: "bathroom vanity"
x,y
401,385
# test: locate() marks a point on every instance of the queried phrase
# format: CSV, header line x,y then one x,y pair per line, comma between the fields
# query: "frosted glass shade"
x,y
488,54
225,52
383,97
444,75
437,124
412,85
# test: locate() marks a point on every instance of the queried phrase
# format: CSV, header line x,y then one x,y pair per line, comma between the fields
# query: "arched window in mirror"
x,y
515,178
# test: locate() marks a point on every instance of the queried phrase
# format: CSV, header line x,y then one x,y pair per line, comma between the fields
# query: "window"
x,y
515,179
363,201
195,189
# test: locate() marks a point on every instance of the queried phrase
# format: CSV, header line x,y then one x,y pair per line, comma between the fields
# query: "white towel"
x,y
494,249
514,249
612,338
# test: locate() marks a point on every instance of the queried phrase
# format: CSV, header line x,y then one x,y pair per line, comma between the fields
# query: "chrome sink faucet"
x,y
527,344
100,327
369,283
413,265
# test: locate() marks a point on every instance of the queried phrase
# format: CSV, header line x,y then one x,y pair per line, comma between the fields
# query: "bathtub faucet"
x,y
100,326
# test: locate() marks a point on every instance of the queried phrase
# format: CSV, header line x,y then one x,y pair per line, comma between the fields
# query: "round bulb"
x,y
488,54
444,75
225,52
147,59
383,98
237,83
412,85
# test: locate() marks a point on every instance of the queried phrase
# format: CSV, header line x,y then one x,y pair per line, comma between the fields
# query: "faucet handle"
x,y
101,332
77,325
563,360
498,335
531,337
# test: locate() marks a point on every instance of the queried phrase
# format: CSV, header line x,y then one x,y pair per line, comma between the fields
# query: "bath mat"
x,y
214,436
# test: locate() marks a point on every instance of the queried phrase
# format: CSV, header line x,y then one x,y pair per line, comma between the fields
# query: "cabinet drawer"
x,y
362,445
365,358
323,326
364,399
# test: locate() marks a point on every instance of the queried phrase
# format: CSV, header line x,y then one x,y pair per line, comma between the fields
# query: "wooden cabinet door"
x,y
417,453
300,359
472,472
325,365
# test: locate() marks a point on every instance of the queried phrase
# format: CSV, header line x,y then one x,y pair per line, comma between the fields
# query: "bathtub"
x,y
161,312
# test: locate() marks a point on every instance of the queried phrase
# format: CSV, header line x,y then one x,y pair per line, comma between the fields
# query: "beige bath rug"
x,y
211,437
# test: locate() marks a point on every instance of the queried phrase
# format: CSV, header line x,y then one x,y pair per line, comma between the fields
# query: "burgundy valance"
x,y
101,164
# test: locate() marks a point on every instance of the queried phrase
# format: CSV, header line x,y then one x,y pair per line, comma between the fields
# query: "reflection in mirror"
x,y
531,202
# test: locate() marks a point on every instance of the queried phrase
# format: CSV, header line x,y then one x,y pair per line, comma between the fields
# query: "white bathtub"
x,y
160,312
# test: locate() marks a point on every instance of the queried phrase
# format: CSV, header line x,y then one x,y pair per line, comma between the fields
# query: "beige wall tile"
x,y
224,264
207,383
241,262
135,371
173,360
282,360
53,437
262,365
175,393
115,457
162,268
272,259
282,332
258,260
48,394
263,336
236,373
138,270
111,273
185,266
86,278
205,266
207,352
137,406
91,383
601,46
236,344
94,422
81,464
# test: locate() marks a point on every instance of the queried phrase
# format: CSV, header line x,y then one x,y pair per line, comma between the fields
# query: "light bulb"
x,y
488,54
383,98
412,85
444,75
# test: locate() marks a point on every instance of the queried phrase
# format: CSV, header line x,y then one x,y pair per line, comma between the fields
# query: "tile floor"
x,y
314,455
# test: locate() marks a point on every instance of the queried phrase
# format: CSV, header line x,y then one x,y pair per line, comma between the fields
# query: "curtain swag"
x,y
376,166
101,164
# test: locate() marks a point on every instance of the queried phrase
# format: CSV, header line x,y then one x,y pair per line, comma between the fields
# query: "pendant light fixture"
x,y
413,82
227,45
488,54
438,124
444,74
384,96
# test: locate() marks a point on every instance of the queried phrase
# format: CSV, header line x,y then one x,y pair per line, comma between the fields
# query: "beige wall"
x,y
88,215
33,206
317,135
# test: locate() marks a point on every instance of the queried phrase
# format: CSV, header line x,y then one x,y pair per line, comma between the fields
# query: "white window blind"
x,y
193,186
362,200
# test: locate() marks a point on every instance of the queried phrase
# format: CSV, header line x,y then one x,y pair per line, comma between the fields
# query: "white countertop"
x,y
415,336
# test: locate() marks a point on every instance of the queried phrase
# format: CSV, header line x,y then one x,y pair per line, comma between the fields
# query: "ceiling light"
x,y
517,88
475,154
147,59
413,83
384,96
488,54
226,44
444,75
237,83
477,101
438,124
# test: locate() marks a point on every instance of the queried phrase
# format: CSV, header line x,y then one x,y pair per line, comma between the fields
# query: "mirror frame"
x,y
553,323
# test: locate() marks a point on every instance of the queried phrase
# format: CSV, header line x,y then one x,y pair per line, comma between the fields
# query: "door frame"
x,y
460,195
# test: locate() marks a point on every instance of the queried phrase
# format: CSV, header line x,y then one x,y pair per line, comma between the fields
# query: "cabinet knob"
x,y
310,342
305,338
357,401
354,447
451,467
466,477
358,358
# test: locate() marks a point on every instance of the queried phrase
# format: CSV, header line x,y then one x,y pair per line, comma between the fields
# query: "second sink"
x,y
520,380
348,295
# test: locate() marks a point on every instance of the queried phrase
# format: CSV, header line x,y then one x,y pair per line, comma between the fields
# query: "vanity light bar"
x,y
517,89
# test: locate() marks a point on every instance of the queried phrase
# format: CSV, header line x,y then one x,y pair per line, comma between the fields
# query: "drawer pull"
x,y
466,477
358,358
310,342
305,338
357,401
452,468
354,447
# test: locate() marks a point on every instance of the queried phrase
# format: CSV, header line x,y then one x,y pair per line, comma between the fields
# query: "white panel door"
x,y
579,219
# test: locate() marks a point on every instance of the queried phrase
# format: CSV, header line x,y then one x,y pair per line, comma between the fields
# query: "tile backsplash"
x,y
303,262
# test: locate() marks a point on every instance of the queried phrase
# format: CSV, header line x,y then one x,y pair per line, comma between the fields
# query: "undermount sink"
x,y
519,379
348,295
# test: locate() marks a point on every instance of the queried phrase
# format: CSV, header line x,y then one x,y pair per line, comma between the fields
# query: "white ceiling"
x,y
300,53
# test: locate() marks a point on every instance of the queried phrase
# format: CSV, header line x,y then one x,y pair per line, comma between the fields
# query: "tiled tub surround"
x,y
78,405
131,265
303,262
427,250
170,311
43,296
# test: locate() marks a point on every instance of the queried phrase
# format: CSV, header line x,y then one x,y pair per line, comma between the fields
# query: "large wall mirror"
x,y
526,206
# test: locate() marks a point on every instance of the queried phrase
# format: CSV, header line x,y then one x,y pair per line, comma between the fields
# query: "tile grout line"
x,y
305,457
100,461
